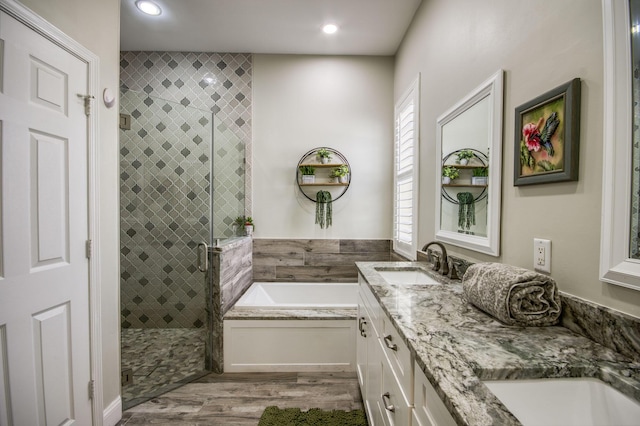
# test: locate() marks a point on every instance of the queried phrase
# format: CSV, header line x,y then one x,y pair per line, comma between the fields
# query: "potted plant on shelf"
x,y
449,173
480,176
464,155
340,173
308,174
323,155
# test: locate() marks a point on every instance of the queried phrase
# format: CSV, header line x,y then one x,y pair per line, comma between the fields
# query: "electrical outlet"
x,y
542,255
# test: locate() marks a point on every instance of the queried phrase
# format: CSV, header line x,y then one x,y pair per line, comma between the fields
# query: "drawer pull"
x,y
387,341
361,324
387,405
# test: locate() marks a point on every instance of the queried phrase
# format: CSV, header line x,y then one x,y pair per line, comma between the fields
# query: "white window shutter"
x,y
406,142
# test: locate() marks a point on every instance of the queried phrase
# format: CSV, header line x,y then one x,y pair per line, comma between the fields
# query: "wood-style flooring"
x,y
238,399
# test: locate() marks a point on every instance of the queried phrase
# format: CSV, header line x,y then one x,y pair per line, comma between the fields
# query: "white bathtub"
x,y
277,343
267,295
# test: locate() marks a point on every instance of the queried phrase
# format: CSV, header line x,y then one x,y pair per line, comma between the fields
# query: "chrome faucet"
x,y
441,265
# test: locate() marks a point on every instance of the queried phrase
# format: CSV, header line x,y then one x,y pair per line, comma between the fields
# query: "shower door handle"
x,y
202,267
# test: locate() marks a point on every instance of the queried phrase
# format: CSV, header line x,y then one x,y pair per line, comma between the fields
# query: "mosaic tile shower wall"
x,y
167,163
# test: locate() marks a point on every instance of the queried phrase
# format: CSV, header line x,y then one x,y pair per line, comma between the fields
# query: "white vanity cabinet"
x,y
368,356
429,410
385,370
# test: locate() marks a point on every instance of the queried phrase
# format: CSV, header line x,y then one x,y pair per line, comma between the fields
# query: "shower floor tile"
x,y
161,360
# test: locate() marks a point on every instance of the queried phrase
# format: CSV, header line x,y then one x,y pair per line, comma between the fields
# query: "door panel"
x,y
49,199
48,86
44,289
53,362
5,404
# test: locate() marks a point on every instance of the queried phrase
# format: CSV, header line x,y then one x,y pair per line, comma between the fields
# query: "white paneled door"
x,y
44,270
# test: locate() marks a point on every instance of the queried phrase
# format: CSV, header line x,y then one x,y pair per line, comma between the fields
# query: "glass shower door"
x,y
165,211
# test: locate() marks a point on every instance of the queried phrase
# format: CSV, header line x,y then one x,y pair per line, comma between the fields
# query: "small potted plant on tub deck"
x,y
324,156
248,226
308,174
480,176
341,173
464,156
449,173
238,224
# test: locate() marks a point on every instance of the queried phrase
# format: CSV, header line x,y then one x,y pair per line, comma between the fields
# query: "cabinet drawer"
x,y
361,343
399,356
373,306
428,407
394,406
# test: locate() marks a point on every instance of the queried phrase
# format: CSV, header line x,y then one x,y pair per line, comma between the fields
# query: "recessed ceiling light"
x,y
148,7
330,28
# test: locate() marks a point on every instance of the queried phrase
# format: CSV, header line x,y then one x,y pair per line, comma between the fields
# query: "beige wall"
x,y
96,25
304,102
456,45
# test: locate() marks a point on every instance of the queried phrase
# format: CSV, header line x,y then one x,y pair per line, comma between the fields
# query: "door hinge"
x,y
88,249
92,388
87,103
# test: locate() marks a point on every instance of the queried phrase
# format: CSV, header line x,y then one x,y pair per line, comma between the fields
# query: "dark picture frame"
x,y
547,137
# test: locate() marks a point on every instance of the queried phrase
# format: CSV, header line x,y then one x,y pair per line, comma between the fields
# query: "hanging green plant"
x,y
324,209
466,210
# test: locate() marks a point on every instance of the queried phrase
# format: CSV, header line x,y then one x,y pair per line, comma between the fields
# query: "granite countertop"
x,y
457,346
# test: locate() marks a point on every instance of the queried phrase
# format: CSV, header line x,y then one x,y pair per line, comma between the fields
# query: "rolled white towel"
x,y
515,296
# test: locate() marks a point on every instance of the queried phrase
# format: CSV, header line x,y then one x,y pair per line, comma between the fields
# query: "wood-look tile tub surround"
x,y
316,260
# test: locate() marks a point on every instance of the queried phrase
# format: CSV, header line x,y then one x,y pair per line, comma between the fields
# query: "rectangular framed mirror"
x,y
469,169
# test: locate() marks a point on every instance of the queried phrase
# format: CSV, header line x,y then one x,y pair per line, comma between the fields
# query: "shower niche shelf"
x,y
322,177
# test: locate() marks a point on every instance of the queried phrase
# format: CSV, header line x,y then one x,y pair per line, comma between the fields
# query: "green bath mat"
x,y
274,416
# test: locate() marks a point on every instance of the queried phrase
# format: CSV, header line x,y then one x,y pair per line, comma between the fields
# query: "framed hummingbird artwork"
x,y
547,137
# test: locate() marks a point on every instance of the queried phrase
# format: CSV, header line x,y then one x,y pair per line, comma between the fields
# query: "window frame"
x,y
410,96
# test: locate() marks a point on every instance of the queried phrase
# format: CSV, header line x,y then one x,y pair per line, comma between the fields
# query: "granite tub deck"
x,y
291,314
457,346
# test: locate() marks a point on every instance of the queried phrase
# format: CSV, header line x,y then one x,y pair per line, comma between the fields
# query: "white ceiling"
x,y
367,27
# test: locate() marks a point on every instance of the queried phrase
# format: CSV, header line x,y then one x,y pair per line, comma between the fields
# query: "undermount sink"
x,y
406,276
570,401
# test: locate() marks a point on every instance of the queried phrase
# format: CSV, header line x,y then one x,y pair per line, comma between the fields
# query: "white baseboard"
x,y
112,413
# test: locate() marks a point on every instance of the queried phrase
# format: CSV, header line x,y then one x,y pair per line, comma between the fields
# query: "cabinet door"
x,y
395,408
429,410
362,335
373,307
398,355
373,401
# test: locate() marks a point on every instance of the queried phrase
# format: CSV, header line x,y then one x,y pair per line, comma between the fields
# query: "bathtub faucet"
x,y
441,264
